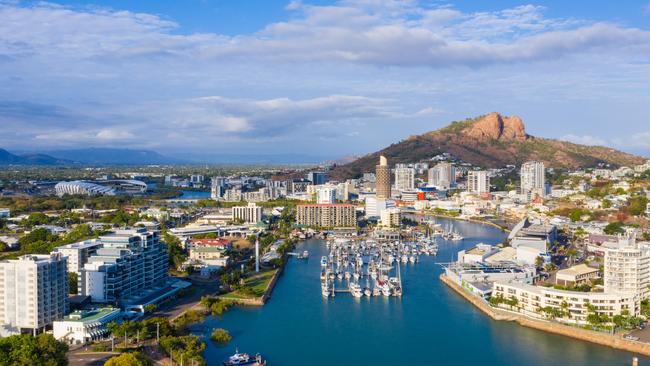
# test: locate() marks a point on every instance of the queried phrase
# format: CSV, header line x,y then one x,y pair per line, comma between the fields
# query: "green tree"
x,y
220,336
25,349
129,359
150,308
614,228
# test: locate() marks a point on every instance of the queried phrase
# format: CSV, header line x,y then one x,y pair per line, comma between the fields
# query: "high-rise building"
x,y
326,215
404,178
442,176
317,178
382,176
218,187
478,181
33,292
533,180
130,263
627,266
78,254
251,214
326,194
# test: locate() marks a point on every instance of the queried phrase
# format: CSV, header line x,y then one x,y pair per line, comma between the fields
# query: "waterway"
x,y
430,325
192,195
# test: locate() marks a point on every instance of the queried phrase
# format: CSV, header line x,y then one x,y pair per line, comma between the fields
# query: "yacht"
x,y
355,289
323,261
325,290
385,289
244,359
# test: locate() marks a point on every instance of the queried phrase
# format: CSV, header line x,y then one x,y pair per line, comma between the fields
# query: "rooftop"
x,y
577,270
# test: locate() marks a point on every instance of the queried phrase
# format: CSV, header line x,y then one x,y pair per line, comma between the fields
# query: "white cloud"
x,y
585,140
113,134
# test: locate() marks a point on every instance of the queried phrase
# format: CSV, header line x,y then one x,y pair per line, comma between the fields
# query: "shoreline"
x,y
475,221
602,339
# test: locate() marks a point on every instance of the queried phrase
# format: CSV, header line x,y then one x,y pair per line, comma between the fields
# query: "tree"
x,y
129,359
73,283
220,336
25,349
539,261
614,228
150,308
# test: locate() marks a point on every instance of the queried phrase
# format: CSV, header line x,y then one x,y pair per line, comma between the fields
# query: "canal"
x,y
430,325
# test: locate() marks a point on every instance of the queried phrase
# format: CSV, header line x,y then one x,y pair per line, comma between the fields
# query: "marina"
x,y
299,326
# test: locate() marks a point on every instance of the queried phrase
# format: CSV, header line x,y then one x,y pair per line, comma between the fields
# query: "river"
x,y
429,325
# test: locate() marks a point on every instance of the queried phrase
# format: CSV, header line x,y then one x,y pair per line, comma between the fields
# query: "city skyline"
x,y
213,77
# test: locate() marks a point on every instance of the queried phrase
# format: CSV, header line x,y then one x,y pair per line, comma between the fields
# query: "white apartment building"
x,y
404,178
533,178
251,214
532,298
442,176
326,194
627,266
78,253
33,292
375,206
478,182
391,217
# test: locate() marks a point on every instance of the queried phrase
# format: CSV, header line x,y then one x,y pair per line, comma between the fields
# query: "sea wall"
x,y
613,341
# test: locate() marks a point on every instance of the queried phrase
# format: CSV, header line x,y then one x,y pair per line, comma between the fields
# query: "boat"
x,y
323,261
367,291
325,290
355,289
405,258
385,289
305,254
244,359
347,275
455,236
412,259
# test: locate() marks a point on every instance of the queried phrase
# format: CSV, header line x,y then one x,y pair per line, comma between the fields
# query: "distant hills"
x,y
89,156
489,141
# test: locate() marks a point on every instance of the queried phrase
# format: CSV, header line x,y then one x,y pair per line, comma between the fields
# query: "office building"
x,y
533,180
317,178
478,182
33,293
250,214
326,215
382,177
442,176
404,178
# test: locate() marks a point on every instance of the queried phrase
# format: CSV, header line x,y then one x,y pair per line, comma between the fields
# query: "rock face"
x,y
497,127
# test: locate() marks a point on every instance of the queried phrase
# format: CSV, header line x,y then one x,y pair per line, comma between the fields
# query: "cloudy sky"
x,y
323,78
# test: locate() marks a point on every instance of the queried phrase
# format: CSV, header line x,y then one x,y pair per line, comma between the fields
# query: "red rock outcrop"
x,y
495,126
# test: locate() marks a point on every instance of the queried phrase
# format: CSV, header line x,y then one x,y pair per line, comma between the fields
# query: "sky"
x,y
207,78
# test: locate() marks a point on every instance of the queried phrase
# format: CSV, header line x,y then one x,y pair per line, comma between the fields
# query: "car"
x,y
631,337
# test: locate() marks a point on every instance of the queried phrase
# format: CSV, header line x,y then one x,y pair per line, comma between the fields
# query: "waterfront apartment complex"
x,y
627,267
478,182
326,215
382,179
251,214
33,292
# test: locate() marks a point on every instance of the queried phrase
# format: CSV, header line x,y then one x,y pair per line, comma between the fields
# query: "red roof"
x,y
327,204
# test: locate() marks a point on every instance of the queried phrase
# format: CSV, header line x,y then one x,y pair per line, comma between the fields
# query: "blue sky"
x,y
324,78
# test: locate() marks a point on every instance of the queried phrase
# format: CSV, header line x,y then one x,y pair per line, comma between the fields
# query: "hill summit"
x,y
490,141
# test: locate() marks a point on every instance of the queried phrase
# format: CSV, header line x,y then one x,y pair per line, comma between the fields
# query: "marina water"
x,y
429,325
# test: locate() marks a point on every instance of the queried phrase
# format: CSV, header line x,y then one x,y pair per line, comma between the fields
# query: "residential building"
x,y
218,188
33,292
326,194
391,217
210,252
326,215
375,206
78,254
627,266
85,326
478,182
442,176
533,234
533,179
196,179
404,178
382,176
250,214
232,195
299,186
130,262
530,299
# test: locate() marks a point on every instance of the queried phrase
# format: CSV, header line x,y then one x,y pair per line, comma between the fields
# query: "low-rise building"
x,y
576,275
85,326
532,301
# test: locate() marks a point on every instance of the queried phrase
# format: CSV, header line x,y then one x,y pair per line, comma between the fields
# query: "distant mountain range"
x,y
89,156
489,141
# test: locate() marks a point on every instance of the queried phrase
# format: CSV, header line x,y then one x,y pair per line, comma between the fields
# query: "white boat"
x,y
325,290
347,275
305,254
356,275
367,291
385,289
405,258
413,259
323,261
376,291
339,276
355,289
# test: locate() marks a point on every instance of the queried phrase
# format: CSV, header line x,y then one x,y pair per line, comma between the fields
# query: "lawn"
x,y
257,282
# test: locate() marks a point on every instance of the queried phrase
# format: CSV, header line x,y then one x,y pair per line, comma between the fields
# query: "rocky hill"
x,y
489,141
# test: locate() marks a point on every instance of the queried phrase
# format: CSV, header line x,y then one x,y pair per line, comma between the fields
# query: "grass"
x,y
258,284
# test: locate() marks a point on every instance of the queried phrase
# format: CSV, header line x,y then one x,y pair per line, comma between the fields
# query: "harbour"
x,y
428,324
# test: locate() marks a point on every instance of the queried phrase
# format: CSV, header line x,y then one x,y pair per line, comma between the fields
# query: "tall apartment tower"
x,y
404,178
382,174
33,292
533,178
478,181
442,176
